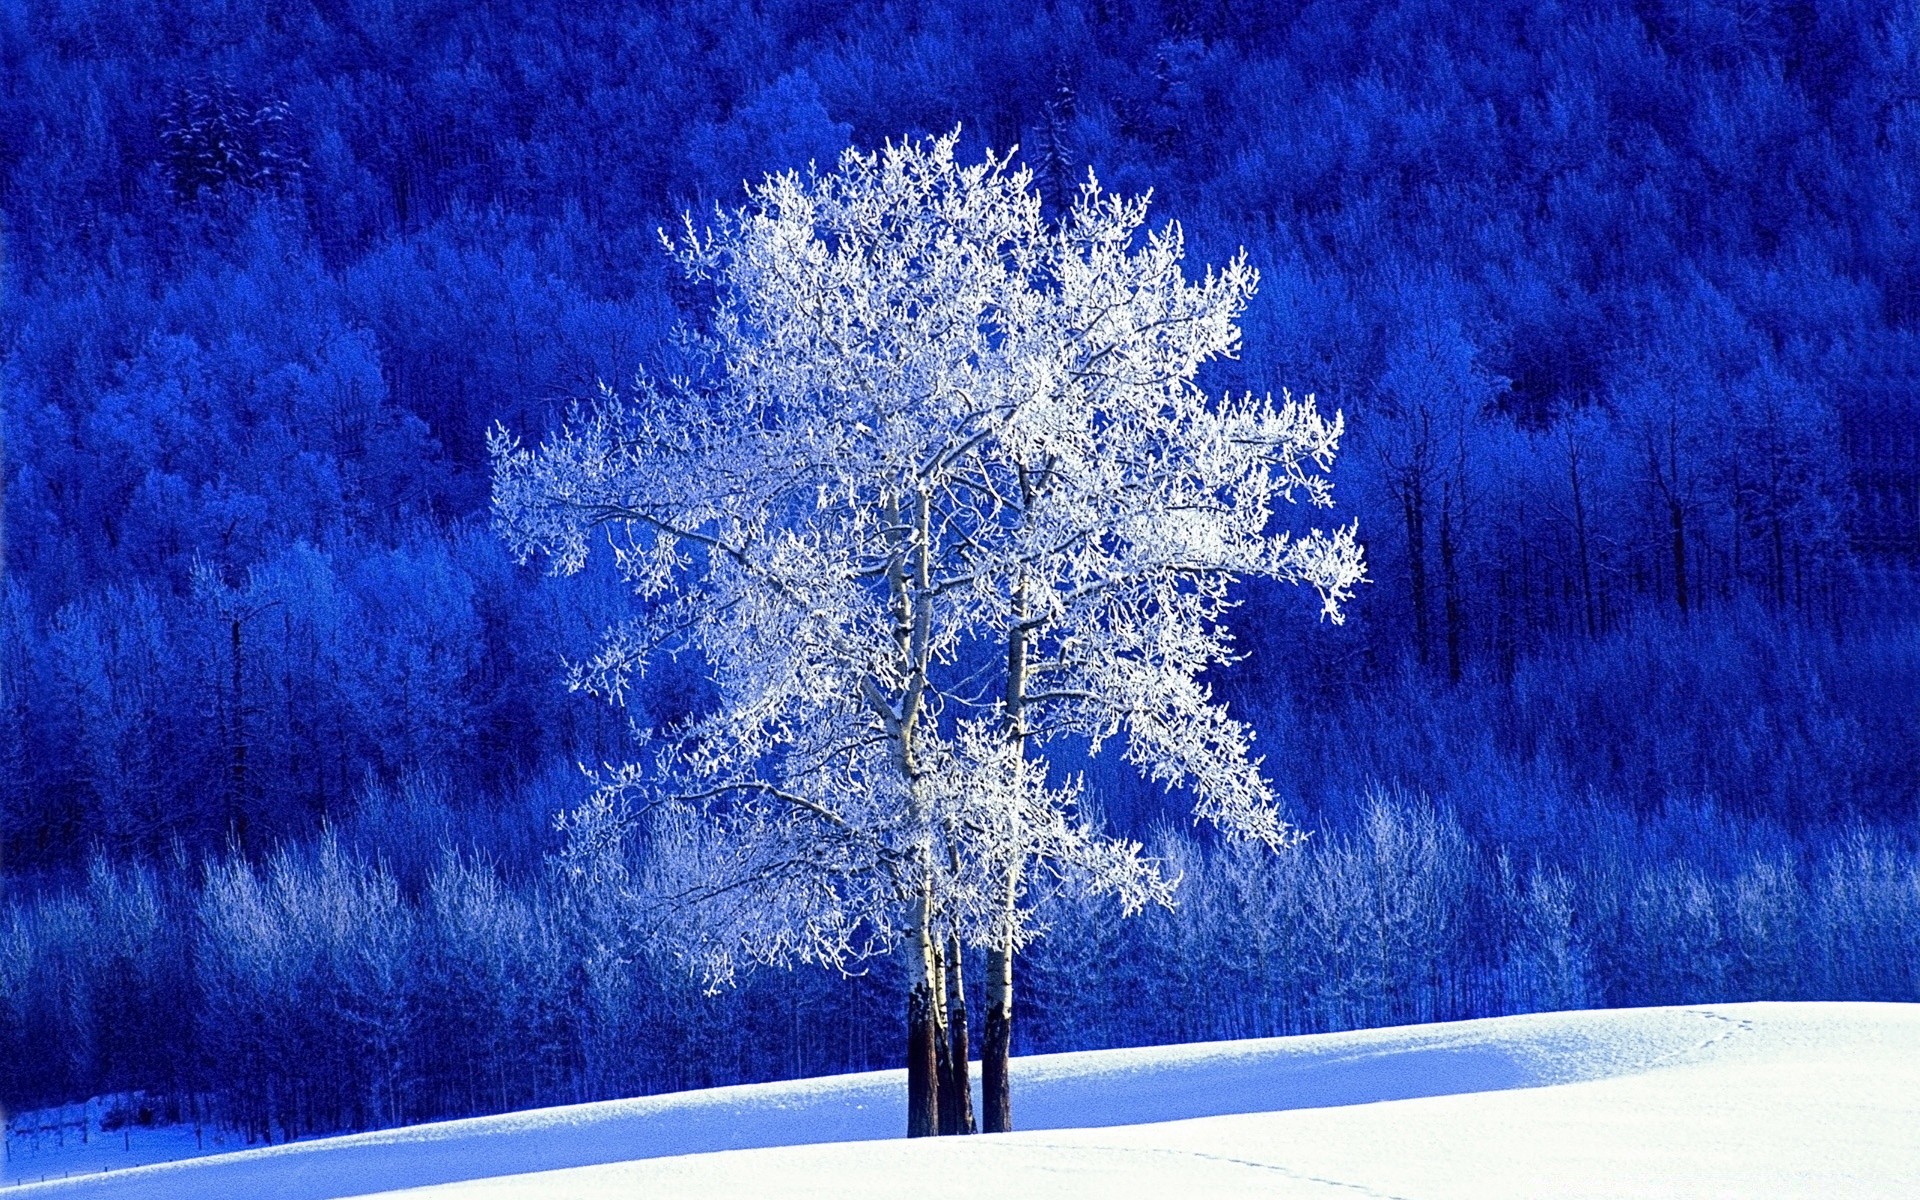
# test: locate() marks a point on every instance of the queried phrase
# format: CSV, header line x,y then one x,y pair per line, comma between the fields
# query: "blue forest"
x,y
1620,302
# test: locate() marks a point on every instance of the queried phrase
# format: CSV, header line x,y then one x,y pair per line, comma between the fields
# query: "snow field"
x,y
1748,1100
36,1149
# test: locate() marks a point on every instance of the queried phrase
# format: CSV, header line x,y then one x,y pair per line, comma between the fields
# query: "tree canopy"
x,y
927,431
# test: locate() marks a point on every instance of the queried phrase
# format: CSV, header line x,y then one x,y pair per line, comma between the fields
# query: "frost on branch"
x,y
940,491
1000,814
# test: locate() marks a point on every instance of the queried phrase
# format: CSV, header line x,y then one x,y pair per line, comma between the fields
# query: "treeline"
x,y
1620,304
316,991
245,712
422,959
1620,300
1404,918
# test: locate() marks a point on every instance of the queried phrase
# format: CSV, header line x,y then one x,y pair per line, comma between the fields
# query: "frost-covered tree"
x,y
1125,501
787,516
938,490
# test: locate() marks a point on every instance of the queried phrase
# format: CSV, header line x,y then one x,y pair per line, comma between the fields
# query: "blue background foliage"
x,y
1621,300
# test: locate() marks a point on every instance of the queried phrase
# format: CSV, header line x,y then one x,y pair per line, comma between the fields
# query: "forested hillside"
x,y
1621,302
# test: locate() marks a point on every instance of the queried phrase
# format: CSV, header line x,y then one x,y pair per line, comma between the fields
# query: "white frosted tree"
x,y
1124,502
939,490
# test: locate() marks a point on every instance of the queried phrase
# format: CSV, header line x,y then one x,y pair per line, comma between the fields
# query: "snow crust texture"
x,y
1747,1100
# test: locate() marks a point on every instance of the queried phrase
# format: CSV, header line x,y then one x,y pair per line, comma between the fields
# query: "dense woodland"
x,y
1621,303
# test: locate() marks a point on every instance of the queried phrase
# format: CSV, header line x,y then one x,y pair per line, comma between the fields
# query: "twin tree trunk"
x,y
937,1087
939,1077
923,1025
939,1083
956,1075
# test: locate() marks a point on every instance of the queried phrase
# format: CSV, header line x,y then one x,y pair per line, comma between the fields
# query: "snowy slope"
x,y
1727,1100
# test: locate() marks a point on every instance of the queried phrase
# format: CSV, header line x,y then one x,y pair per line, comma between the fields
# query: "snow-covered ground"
x,y
1744,1100
49,1144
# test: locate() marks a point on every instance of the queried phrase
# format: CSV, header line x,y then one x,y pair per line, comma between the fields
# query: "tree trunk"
x,y
1413,509
922,969
1677,520
956,1096
996,1097
923,1066
1450,586
237,817
944,1096
1580,534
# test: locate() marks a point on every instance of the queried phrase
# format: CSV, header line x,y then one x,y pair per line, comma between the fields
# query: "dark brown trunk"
x,y
923,1023
923,1071
996,1096
945,1096
961,1078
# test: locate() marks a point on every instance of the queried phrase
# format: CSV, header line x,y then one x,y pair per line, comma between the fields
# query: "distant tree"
x,y
232,608
1432,399
1056,152
1783,486
934,441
